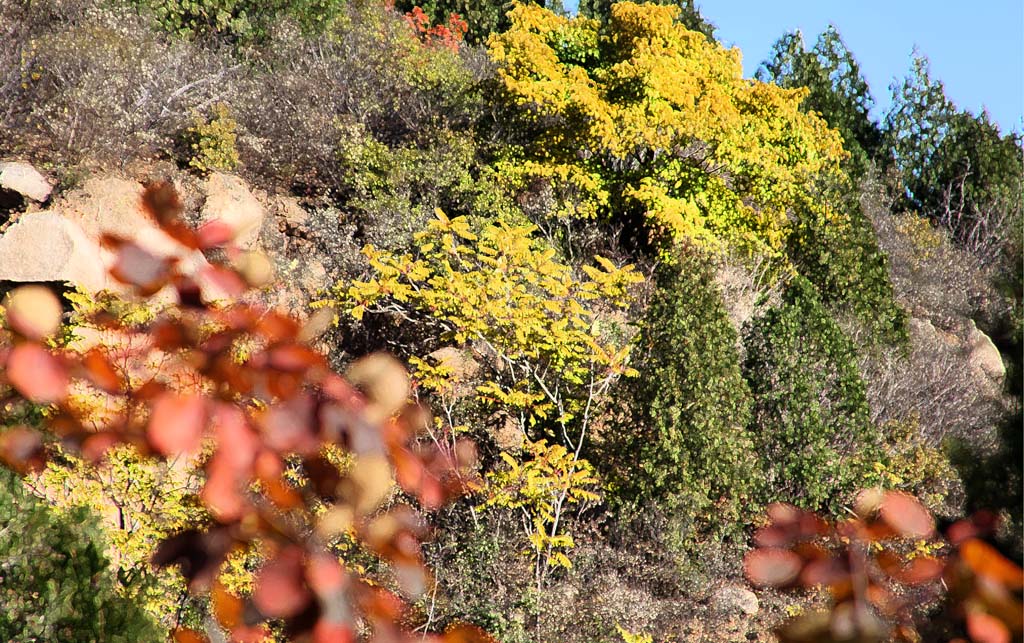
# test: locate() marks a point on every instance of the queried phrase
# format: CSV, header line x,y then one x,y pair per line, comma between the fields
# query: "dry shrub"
x,y
943,287
933,278
99,84
368,80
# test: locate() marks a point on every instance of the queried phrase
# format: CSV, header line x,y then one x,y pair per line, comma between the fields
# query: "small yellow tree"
x,y
545,335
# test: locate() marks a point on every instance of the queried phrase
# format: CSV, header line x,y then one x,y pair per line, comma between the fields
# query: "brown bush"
x,y
98,84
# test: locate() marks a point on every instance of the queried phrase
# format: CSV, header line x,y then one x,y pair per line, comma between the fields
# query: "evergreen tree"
x,y
811,423
956,168
683,444
837,89
55,584
915,126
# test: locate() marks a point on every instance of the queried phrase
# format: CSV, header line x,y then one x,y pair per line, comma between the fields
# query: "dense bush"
x,y
650,150
841,257
95,82
683,444
55,583
239,21
811,423
210,142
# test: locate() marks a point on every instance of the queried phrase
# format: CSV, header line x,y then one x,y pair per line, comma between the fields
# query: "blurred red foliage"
x,y
883,565
251,416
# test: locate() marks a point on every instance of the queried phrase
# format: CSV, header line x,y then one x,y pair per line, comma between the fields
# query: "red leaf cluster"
x,y
448,35
265,421
877,575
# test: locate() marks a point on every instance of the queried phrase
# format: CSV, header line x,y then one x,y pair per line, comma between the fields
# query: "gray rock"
x,y
984,356
735,599
44,246
25,180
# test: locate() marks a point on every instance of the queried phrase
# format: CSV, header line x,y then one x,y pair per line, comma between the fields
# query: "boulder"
x,y
924,332
44,246
735,599
25,180
229,199
983,354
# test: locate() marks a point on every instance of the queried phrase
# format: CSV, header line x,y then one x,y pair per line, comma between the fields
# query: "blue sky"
x,y
976,48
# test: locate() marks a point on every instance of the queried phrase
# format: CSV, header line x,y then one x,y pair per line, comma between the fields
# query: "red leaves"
x,y
906,515
275,415
280,589
176,423
37,374
876,559
137,267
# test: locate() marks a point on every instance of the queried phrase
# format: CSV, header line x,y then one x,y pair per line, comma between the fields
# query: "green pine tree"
x,y
55,583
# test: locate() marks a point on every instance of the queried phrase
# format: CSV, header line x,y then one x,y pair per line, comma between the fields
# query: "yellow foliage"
x,y
659,115
550,479
494,285
140,502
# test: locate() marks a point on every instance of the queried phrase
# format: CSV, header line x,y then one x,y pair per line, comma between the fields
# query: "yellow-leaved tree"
x,y
515,338
645,121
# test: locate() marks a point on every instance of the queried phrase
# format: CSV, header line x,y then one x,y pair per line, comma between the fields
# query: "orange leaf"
x,y
985,560
21,448
37,374
985,628
227,607
906,515
467,634
33,311
280,588
182,635
176,423
101,372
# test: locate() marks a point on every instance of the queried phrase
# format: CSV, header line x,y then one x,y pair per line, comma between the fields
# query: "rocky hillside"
x,y
664,339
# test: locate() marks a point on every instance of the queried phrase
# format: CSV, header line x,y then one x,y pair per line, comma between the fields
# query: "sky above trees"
x,y
977,50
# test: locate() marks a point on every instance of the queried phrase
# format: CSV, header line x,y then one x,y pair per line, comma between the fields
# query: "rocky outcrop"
x,y
45,246
62,244
25,180
983,355
229,199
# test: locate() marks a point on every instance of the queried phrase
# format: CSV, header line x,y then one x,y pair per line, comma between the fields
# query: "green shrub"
x,y
55,585
811,422
240,21
841,258
210,142
683,444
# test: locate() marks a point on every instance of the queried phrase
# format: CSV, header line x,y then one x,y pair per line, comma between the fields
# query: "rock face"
x,y
25,180
734,599
229,199
983,355
44,246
